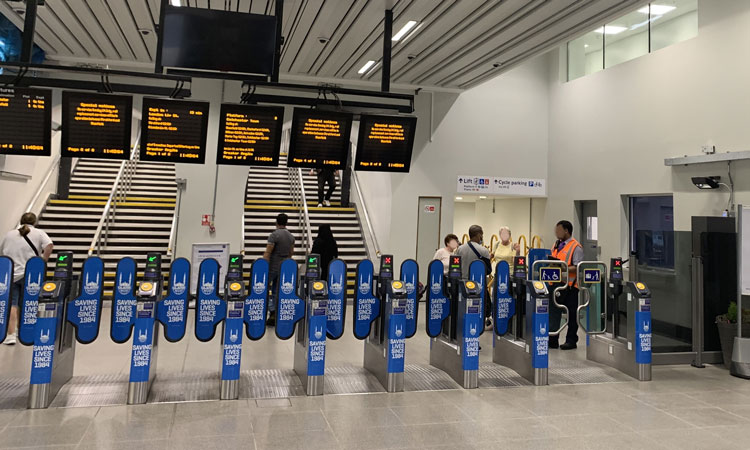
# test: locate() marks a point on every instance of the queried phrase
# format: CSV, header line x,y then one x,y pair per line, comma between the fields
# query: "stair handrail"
x,y
368,223
305,212
116,194
299,200
175,221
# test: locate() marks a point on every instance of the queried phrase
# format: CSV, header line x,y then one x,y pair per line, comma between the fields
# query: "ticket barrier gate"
x,y
629,352
63,312
455,321
234,309
304,308
521,309
385,317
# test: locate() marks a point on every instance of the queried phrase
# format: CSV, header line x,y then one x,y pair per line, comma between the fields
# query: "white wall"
x,y
610,131
498,128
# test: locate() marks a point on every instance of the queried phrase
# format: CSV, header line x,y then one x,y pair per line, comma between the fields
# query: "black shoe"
x,y
567,346
271,321
554,344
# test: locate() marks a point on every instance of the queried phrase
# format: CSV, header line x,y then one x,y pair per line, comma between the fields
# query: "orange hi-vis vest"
x,y
566,254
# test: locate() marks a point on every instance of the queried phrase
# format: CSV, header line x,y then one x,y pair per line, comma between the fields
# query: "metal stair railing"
x,y
117,194
373,239
299,200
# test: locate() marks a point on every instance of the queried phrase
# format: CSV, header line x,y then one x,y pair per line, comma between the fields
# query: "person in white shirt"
x,y
444,254
20,245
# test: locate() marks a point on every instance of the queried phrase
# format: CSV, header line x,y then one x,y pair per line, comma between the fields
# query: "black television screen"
x,y
249,135
25,121
96,125
225,41
385,143
174,131
319,138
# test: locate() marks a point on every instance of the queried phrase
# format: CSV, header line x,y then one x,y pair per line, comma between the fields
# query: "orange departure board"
x,y
385,143
319,138
96,125
174,131
249,135
25,121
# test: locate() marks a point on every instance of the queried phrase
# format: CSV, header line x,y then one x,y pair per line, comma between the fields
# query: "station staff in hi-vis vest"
x,y
569,250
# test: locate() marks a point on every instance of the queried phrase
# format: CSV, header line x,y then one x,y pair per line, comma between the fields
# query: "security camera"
x,y
707,182
323,39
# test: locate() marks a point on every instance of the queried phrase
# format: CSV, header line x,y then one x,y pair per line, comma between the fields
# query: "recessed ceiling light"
x,y
482,197
656,10
610,29
585,45
366,67
404,30
175,2
459,198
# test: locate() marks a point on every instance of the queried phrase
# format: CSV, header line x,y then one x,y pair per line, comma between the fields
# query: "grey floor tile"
x,y
297,440
693,439
734,434
668,400
54,416
483,409
7,416
587,425
377,438
427,414
721,398
211,443
357,419
709,417
212,426
42,435
280,423
133,413
649,419
510,429
120,431
212,408
160,444
739,410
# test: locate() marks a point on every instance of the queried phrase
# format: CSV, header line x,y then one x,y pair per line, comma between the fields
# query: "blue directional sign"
x,y
550,274
123,303
210,310
438,304
33,280
336,298
477,274
85,312
171,312
592,275
504,304
410,277
290,309
256,302
366,305
6,285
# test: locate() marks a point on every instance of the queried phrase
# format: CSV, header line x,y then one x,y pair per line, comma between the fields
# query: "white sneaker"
x,y
327,203
320,205
10,339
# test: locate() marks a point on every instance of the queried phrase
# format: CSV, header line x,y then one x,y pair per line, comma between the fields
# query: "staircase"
x,y
142,222
268,194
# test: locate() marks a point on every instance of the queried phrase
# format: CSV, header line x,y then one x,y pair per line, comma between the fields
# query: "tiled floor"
x,y
683,408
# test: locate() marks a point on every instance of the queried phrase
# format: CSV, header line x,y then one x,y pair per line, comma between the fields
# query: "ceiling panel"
x,y
456,45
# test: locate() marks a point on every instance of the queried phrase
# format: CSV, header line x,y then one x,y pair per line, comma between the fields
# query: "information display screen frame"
x,y
187,105
296,149
68,123
47,121
275,132
365,149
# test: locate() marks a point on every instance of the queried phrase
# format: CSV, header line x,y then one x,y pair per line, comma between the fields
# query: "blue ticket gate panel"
x,y
145,331
521,312
455,350
627,350
231,336
66,313
389,324
6,283
308,313
33,278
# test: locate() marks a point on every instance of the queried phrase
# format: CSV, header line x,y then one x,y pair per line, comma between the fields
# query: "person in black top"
x,y
325,245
